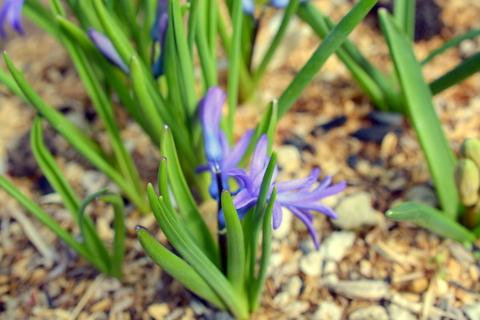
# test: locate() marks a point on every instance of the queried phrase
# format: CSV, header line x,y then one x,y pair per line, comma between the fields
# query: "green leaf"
x,y
235,245
328,46
431,219
116,258
422,114
177,268
257,287
404,12
252,232
184,199
289,12
110,72
150,114
451,43
103,105
456,75
233,67
185,65
51,170
180,238
90,236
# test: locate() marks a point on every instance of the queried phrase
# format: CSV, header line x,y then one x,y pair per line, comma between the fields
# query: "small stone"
x,y
281,299
472,311
286,226
361,289
310,264
366,268
223,315
330,267
355,212
293,286
375,133
307,246
386,118
398,313
327,310
419,285
295,309
375,312
337,243
289,158
422,194
158,311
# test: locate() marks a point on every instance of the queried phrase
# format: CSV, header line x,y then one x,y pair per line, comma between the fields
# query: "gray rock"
x,y
330,267
355,212
295,309
327,310
337,243
293,286
369,313
422,194
472,311
311,264
398,313
361,289
281,299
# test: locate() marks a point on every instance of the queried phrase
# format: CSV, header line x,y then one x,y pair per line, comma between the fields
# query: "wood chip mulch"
x,y
422,274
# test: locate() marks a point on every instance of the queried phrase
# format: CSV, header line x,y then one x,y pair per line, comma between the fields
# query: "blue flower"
x,y
249,5
299,196
158,34
220,157
11,11
105,46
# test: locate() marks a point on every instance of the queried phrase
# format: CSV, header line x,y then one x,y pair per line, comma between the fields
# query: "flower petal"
x,y
210,112
300,214
236,155
277,215
105,46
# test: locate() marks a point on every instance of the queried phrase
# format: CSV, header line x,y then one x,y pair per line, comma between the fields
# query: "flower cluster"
x,y
300,196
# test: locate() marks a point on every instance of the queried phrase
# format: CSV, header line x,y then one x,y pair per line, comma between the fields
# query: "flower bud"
x,y
467,179
470,149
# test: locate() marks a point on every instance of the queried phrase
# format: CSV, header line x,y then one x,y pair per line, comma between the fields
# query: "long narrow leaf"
x,y
116,258
235,245
51,170
404,12
328,46
177,268
233,67
422,114
186,204
456,75
256,288
90,236
451,43
431,219
177,234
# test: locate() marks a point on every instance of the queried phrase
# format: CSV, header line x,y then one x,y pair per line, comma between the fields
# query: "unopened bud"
x,y
467,179
470,149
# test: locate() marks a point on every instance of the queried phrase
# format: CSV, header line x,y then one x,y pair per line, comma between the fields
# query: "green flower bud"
x,y
467,179
470,149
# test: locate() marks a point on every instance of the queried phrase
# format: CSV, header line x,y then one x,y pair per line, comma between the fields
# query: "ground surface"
x,y
380,270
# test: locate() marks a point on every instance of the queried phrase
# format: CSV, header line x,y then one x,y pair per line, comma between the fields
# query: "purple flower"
x,y
105,46
299,196
217,149
249,5
11,11
158,33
